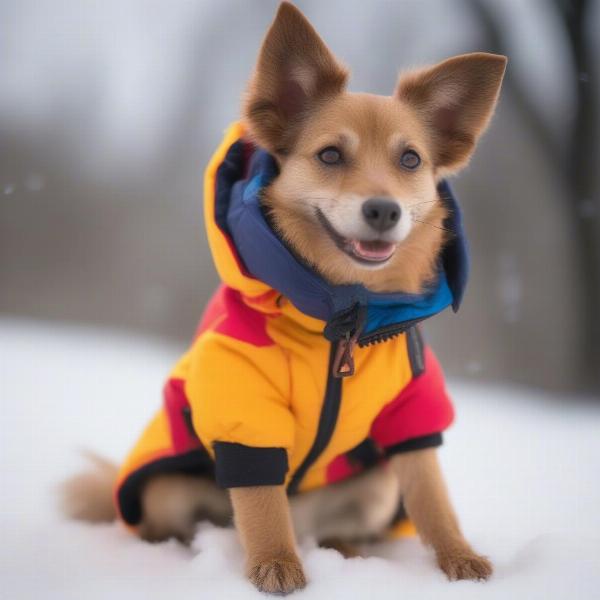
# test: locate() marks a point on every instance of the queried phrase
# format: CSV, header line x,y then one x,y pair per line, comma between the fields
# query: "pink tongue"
x,y
373,250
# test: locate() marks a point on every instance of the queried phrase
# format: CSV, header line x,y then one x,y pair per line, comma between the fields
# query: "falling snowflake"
x,y
509,287
35,182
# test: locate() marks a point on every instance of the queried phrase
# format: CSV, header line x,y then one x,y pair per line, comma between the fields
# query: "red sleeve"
x,y
418,415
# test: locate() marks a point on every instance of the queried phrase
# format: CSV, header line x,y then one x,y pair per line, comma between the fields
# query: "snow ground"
x,y
523,469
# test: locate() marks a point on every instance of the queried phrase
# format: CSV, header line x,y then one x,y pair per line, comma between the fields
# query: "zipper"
x,y
341,364
327,420
383,334
345,329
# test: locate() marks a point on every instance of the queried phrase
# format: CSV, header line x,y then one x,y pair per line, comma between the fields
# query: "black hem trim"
x,y
196,462
237,465
366,454
419,443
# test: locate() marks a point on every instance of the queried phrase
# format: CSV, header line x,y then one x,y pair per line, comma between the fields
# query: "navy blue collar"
x,y
343,307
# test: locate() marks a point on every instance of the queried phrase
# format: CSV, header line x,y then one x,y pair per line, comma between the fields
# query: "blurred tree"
x,y
575,161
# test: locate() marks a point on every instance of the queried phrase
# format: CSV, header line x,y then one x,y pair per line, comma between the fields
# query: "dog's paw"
x,y
463,564
277,576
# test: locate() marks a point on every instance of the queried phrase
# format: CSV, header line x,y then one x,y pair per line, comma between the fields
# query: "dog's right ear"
x,y
295,71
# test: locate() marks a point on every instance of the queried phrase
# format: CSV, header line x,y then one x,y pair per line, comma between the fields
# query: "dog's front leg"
x,y
262,518
427,503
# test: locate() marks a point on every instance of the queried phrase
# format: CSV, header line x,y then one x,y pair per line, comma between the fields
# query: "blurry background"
x,y
109,110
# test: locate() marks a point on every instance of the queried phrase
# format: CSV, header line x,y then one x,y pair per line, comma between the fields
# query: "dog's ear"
x,y
456,99
295,71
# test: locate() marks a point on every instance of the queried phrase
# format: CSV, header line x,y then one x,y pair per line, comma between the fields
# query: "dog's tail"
x,y
88,496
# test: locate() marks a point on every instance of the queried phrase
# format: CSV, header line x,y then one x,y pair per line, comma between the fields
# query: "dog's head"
x,y
356,195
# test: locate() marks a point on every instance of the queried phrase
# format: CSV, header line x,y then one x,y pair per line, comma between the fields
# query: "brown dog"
x,y
335,149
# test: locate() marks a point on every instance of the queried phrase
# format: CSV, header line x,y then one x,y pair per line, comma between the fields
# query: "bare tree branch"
x,y
576,163
493,32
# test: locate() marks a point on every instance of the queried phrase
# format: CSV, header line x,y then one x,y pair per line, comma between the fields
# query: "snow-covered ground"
x,y
523,469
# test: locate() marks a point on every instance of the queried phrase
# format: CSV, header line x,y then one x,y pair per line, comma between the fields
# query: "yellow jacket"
x,y
261,397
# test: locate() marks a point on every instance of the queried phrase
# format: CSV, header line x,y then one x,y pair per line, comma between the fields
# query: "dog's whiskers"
x,y
432,225
418,203
316,198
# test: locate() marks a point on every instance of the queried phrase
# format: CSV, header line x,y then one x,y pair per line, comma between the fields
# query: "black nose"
x,y
381,214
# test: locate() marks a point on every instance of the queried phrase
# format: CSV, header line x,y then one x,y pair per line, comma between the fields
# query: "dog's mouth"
x,y
369,252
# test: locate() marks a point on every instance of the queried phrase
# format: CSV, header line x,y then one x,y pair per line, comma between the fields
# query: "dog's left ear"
x,y
456,100
295,72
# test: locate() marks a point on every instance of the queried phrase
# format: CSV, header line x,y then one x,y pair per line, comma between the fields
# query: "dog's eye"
x,y
330,155
410,160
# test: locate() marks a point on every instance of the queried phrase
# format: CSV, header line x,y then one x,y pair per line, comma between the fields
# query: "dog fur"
x,y
296,105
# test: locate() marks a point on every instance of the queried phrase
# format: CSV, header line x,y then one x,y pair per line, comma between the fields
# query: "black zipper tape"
x,y
327,422
383,334
352,320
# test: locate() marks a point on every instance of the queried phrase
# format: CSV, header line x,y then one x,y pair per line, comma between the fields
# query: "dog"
x,y
308,403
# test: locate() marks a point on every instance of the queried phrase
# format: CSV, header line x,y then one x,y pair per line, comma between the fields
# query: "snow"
x,y
522,466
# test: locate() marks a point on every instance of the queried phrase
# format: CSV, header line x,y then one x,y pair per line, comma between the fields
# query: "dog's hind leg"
x,y
346,549
172,504
358,509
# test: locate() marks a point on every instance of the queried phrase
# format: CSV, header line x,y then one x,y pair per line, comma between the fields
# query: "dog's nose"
x,y
381,214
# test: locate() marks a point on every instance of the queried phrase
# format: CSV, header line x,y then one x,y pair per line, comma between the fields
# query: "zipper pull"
x,y
343,361
343,330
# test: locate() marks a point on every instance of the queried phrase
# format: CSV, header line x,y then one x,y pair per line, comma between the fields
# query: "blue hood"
x,y
241,178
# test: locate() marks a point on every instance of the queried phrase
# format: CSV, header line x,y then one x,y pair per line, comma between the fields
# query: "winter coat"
x,y
291,380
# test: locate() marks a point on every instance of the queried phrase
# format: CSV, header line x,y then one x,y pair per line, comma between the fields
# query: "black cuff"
x,y
426,441
237,465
